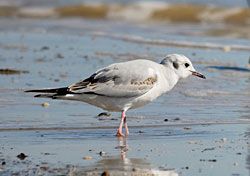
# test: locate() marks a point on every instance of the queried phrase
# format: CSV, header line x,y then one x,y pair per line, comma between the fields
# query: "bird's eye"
x,y
186,65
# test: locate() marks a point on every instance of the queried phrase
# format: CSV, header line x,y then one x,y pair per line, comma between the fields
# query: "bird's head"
x,y
181,65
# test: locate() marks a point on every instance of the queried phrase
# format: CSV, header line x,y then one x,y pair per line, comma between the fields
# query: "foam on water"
x,y
136,11
143,40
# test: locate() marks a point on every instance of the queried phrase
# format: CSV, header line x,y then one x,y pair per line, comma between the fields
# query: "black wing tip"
x,y
38,95
38,90
53,96
62,90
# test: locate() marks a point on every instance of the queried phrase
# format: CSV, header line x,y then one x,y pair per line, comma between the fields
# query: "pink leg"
x,y
119,131
126,126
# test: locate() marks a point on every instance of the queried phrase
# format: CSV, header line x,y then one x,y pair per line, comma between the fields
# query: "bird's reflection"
x,y
122,145
122,165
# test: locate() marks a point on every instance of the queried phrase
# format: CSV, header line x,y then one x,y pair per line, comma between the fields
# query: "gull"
x,y
126,85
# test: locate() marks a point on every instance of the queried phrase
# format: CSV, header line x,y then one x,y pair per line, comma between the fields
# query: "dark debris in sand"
x,y
9,71
44,48
208,160
208,149
104,114
21,156
105,173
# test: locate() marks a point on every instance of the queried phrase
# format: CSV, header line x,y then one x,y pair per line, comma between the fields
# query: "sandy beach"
x,y
201,127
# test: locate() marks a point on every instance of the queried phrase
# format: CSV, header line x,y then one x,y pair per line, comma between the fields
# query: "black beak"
x,y
198,74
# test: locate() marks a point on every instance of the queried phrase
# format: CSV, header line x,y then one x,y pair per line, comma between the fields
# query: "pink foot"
x,y
119,133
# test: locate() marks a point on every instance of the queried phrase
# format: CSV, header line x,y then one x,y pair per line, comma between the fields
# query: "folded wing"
x,y
117,81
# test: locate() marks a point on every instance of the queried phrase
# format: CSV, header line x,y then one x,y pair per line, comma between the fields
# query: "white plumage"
x,y
126,85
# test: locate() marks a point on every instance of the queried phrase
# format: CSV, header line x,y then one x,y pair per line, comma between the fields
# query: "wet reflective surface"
x,y
201,127
176,150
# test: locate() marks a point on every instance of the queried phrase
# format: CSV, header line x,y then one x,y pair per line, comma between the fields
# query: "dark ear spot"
x,y
176,65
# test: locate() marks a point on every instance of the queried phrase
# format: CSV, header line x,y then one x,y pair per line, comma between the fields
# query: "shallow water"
x,y
199,128
200,150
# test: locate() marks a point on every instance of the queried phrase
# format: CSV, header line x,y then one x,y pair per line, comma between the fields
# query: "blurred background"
x,y
54,43
193,11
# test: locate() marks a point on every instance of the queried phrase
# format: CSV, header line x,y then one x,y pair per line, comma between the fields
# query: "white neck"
x,y
171,78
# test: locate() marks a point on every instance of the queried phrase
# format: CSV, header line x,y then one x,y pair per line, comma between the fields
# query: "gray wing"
x,y
117,80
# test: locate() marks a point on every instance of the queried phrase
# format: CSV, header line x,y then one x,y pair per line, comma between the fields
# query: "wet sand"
x,y
199,128
169,150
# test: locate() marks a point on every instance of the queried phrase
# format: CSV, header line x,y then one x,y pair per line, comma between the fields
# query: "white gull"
x,y
126,85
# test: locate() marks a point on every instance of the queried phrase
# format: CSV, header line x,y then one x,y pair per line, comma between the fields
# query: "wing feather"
x,y
117,81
